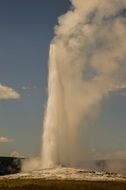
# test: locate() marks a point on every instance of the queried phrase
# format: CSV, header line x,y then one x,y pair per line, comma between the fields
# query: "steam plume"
x,y
87,61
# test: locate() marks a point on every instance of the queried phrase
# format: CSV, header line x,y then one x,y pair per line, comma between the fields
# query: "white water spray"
x,y
54,144
87,60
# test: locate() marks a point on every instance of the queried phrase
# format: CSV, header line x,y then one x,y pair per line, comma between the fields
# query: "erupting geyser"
x,y
87,61
55,122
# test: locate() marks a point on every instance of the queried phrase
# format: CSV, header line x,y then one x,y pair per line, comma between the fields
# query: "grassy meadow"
x,y
34,184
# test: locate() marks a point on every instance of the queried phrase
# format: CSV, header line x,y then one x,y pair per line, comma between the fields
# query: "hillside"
x,y
10,165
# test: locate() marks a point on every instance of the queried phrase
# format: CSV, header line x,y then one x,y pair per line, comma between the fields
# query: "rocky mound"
x,y
64,173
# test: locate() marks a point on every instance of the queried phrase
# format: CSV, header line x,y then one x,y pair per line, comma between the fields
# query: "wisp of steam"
x,y
87,60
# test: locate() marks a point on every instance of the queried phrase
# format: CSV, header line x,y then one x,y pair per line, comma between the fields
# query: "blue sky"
x,y
25,34
26,29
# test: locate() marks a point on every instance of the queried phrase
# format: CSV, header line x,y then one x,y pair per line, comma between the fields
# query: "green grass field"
x,y
34,184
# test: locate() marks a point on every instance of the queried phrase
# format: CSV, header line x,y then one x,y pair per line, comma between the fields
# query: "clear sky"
x,y
26,29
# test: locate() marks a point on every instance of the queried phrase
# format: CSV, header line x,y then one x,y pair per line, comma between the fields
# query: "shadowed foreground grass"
x,y
60,184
